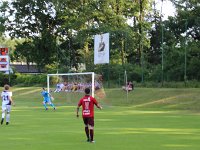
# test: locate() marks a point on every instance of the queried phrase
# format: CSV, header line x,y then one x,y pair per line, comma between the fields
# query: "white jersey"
x,y
5,97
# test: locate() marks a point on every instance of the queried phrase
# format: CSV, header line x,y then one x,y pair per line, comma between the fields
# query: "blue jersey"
x,y
45,95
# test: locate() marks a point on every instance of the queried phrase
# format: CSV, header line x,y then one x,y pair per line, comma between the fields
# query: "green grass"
x,y
150,119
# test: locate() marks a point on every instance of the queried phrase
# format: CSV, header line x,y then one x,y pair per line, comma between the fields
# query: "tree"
x,y
35,21
84,19
3,6
182,40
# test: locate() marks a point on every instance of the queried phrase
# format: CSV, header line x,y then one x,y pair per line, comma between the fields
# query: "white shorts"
x,y
6,108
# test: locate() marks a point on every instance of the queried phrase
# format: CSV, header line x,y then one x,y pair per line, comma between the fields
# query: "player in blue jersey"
x,y
47,99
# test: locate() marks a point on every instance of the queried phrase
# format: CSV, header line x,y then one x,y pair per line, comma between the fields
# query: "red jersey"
x,y
87,103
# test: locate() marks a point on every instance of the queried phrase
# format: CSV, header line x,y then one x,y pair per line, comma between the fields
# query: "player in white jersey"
x,y
6,104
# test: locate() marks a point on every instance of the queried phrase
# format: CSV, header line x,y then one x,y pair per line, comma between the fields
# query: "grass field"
x,y
148,119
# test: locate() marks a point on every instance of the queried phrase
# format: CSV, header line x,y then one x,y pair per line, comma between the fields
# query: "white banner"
x,y
4,63
101,49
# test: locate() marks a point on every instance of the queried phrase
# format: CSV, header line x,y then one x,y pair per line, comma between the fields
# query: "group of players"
x,y
87,102
75,86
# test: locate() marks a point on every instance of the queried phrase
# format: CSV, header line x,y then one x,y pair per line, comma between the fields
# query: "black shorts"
x,y
89,121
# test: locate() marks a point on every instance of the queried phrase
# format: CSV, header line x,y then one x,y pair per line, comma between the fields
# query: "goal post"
x,y
73,77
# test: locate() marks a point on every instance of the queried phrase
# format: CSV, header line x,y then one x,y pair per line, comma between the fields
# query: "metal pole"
x,y
142,61
9,67
119,79
93,84
185,68
48,83
141,41
108,75
57,55
162,54
126,85
162,45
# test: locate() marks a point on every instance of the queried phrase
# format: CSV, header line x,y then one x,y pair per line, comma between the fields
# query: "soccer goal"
x,y
71,86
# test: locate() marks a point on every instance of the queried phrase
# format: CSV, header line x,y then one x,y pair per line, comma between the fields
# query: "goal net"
x,y
69,87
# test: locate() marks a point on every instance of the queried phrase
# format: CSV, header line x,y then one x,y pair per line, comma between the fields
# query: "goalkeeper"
x,y
47,99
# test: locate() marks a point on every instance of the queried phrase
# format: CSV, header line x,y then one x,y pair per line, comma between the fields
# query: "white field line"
x,y
29,92
163,100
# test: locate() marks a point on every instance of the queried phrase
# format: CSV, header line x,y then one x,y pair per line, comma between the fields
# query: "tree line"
x,y
58,35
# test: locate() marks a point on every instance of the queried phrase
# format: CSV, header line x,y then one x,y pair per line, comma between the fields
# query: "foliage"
x,y
31,80
7,79
73,24
34,21
3,6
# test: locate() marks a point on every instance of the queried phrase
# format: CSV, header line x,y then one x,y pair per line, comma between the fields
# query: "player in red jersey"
x,y
87,103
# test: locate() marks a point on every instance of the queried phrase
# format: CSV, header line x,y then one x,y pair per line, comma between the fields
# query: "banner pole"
x,y
9,67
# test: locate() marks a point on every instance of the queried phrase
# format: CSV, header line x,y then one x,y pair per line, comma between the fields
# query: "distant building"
x,y
31,69
24,68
